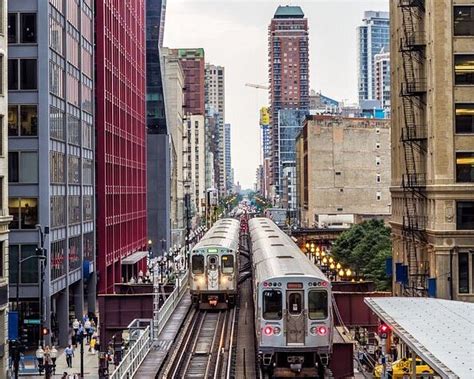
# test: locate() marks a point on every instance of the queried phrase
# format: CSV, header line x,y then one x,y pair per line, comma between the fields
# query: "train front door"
x,y
212,272
295,322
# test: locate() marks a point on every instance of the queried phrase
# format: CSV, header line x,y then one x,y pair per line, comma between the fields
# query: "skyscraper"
x,y
51,159
4,217
121,139
228,158
433,148
288,71
215,100
373,36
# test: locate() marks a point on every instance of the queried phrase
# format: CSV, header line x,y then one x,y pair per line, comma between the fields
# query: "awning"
x,y
441,332
134,258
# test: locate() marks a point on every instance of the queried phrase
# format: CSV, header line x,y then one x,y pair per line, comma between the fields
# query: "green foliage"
x,y
365,248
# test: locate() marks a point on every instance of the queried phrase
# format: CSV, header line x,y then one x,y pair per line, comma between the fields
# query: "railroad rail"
x,y
204,347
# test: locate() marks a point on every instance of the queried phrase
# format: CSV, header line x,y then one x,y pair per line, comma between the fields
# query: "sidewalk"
x,y
91,364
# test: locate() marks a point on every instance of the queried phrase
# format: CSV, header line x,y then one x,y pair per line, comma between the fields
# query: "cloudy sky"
x,y
234,34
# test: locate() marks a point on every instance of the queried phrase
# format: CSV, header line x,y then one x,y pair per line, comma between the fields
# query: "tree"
x,y
365,248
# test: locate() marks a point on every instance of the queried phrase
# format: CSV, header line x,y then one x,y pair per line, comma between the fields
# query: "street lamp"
x,y
341,273
338,266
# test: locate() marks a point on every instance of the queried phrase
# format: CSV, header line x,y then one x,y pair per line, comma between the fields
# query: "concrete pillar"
x,y
78,294
413,365
62,311
92,293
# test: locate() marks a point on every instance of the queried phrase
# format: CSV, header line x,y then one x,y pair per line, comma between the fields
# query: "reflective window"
x,y
464,167
58,249
88,249
13,74
464,118
57,163
73,169
58,211
24,212
28,269
28,27
74,209
463,273
464,69
22,120
12,28
272,305
465,215
23,167
318,305
295,303
74,129
197,264
227,264
87,177
212,263
464,21
56,123
28,77
74,256
87,205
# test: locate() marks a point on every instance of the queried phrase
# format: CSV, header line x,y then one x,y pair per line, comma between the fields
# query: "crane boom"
x,y
258,86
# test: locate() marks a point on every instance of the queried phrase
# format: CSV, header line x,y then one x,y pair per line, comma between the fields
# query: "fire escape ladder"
x,y
413,139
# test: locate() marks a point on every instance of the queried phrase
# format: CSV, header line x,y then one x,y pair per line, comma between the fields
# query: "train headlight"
x,y
201,280
322,330
268,330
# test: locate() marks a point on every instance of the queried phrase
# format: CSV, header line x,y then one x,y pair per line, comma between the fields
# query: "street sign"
x,y
31,321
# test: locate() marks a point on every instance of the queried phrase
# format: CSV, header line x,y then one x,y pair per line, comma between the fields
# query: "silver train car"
x,y
214,266
292,299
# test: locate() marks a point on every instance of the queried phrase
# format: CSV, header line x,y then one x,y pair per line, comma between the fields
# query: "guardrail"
x,y
144,332
162,315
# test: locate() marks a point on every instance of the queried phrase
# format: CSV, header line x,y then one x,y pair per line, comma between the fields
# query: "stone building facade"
x,y
342,170
432,56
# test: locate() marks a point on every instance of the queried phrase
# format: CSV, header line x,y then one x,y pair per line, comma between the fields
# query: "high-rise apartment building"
x,y
343,170
121,140
288,72
4,217
51,161
215,99
373,36
228,157
192,61
432,45
382,79
158,133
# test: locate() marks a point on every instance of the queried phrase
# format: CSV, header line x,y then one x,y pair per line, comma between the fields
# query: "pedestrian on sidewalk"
x,y
64,375
75,326
92,345
69,354
87,328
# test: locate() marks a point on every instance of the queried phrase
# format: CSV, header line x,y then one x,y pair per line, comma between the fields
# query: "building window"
x,y
22,120
74,256
58,211
87,177
58,249
377,161
73,169
465,215
57,162
464,167
463,273
28,27
377,145
24,212
56,123
2,255
28,270
1,73
87,205
464,21
464,118
464,69
379,195
378,178
74,209
23,167
22,74
12,27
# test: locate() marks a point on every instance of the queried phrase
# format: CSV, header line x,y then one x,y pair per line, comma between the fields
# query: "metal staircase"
x,y
414,141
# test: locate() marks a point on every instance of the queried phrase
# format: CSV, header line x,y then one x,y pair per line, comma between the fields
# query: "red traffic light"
x,y
44,331
383,330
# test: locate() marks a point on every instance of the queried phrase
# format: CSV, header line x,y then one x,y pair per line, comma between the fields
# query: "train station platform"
x,y
161,347
438,331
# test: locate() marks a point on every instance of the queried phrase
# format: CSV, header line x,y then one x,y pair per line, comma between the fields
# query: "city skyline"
x,y
238,20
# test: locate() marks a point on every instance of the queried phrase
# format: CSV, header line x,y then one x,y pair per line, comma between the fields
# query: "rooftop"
x,y
289,11
441,332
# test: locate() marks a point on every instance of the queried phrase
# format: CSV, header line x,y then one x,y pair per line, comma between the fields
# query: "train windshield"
x,y
197,264
272,305
318,305
227,264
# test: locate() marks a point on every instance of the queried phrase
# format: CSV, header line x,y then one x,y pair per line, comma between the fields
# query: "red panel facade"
x,y
121,135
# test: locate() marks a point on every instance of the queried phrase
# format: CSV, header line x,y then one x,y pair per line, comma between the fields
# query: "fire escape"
x,y
414,143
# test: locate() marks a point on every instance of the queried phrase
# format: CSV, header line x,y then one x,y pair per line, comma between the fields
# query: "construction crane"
x,y
258,86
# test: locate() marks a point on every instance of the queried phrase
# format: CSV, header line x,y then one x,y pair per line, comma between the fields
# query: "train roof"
x,y
224,233
275,255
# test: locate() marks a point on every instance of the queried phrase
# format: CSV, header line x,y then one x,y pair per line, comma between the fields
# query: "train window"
x,y
272,305
227,264
294,303
213,263
318,305
197,264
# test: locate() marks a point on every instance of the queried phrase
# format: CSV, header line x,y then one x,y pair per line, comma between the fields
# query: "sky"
x,y
234,34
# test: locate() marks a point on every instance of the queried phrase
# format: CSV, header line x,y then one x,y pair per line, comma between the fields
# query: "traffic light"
x,y
44,331
383,330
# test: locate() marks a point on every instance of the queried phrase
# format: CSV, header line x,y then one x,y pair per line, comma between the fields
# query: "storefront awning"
x,y
134,258
441,332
